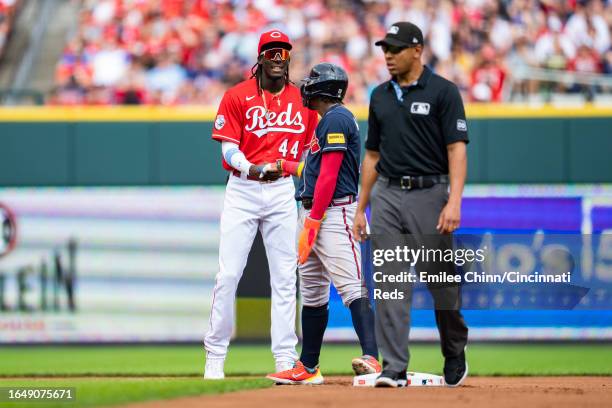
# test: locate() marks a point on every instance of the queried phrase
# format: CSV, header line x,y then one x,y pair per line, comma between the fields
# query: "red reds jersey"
x,y
266,127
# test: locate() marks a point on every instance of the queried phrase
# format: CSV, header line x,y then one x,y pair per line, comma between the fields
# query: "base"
x,y
413,380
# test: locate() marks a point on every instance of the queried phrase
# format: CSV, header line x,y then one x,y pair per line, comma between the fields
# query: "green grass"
x,y
485,359
173,371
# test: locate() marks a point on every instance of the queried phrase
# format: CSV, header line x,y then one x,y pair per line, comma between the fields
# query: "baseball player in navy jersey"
x,y
259,121
327,251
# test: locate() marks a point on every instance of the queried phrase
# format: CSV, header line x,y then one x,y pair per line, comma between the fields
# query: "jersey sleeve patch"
x,y
219,122
336,138
314,145
461,125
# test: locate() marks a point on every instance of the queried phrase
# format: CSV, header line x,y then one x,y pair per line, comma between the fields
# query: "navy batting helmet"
x,y
325,79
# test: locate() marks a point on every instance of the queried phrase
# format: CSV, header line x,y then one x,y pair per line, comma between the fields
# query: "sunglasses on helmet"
x,y
275,53
394,49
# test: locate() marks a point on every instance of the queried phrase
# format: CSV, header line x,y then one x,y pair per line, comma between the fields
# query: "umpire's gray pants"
x,y
395,212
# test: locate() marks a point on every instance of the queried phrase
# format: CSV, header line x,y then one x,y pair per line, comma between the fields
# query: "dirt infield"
x,y
477,392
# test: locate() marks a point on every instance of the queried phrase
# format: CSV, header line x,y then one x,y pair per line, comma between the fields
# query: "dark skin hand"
x,y
270,175
255,170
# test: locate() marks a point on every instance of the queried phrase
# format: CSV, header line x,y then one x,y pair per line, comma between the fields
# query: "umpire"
x,y
415,149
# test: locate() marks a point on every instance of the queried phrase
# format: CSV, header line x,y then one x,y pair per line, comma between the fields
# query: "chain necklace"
x,y
263,96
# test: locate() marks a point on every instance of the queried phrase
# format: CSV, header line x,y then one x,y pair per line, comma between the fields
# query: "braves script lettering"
x,y
260,124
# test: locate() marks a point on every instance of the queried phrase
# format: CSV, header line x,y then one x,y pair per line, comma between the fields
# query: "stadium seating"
x,y
7,17
189,51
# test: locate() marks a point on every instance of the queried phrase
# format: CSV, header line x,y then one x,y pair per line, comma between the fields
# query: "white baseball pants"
x,y
270,207
335,257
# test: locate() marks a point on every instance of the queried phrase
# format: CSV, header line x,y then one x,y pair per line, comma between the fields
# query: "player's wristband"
x,y
234,157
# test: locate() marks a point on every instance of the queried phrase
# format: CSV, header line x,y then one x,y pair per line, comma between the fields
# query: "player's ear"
x,y
418,51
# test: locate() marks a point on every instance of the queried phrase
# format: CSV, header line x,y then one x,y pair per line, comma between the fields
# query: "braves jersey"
x,y
337,131
267,127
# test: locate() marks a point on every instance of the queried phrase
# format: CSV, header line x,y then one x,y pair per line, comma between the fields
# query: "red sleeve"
x,y
326,183
291,167
228,123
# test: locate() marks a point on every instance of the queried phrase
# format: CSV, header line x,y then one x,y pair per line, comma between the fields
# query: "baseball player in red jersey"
x,y
259,121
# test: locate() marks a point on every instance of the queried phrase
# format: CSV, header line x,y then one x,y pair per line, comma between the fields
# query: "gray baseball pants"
x,y
394,214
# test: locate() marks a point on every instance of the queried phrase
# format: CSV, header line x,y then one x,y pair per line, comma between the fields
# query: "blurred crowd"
x,y
189,51
7,17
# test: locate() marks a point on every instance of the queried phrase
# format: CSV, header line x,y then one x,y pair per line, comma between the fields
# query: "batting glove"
x,y
308,236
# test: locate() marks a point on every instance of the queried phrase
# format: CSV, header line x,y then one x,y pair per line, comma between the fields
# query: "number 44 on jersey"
x,y
294,149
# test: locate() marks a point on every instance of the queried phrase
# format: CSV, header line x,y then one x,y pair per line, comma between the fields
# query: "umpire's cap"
x,y
325,79
402,34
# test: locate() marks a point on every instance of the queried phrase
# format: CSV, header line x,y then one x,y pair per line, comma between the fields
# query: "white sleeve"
x,y
234,157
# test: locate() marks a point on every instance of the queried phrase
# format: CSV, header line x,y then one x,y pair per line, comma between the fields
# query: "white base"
x,y
413,380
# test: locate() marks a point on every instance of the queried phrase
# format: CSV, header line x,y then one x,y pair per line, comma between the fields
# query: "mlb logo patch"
x,y
461,125
219,122
419,108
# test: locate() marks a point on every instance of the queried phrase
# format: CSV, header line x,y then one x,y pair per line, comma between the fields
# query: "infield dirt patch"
x,y
477,392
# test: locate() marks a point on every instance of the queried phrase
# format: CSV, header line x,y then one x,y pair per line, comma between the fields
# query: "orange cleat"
x,y
297,375
366,365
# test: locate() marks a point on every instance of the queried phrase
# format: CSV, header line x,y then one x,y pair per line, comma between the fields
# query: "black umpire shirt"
x,y
411,126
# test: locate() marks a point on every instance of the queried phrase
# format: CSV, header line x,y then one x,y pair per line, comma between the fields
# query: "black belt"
x,y
414,182
307,202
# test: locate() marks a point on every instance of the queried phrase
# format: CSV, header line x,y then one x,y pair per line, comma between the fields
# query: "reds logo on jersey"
x,y
265,126
260,123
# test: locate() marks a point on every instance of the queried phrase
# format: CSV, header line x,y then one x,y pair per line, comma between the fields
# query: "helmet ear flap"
x,y
305,94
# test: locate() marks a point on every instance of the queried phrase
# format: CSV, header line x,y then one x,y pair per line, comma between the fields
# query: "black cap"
x,y
402,34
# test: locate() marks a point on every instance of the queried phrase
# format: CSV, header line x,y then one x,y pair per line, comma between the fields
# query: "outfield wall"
x,y
172,146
